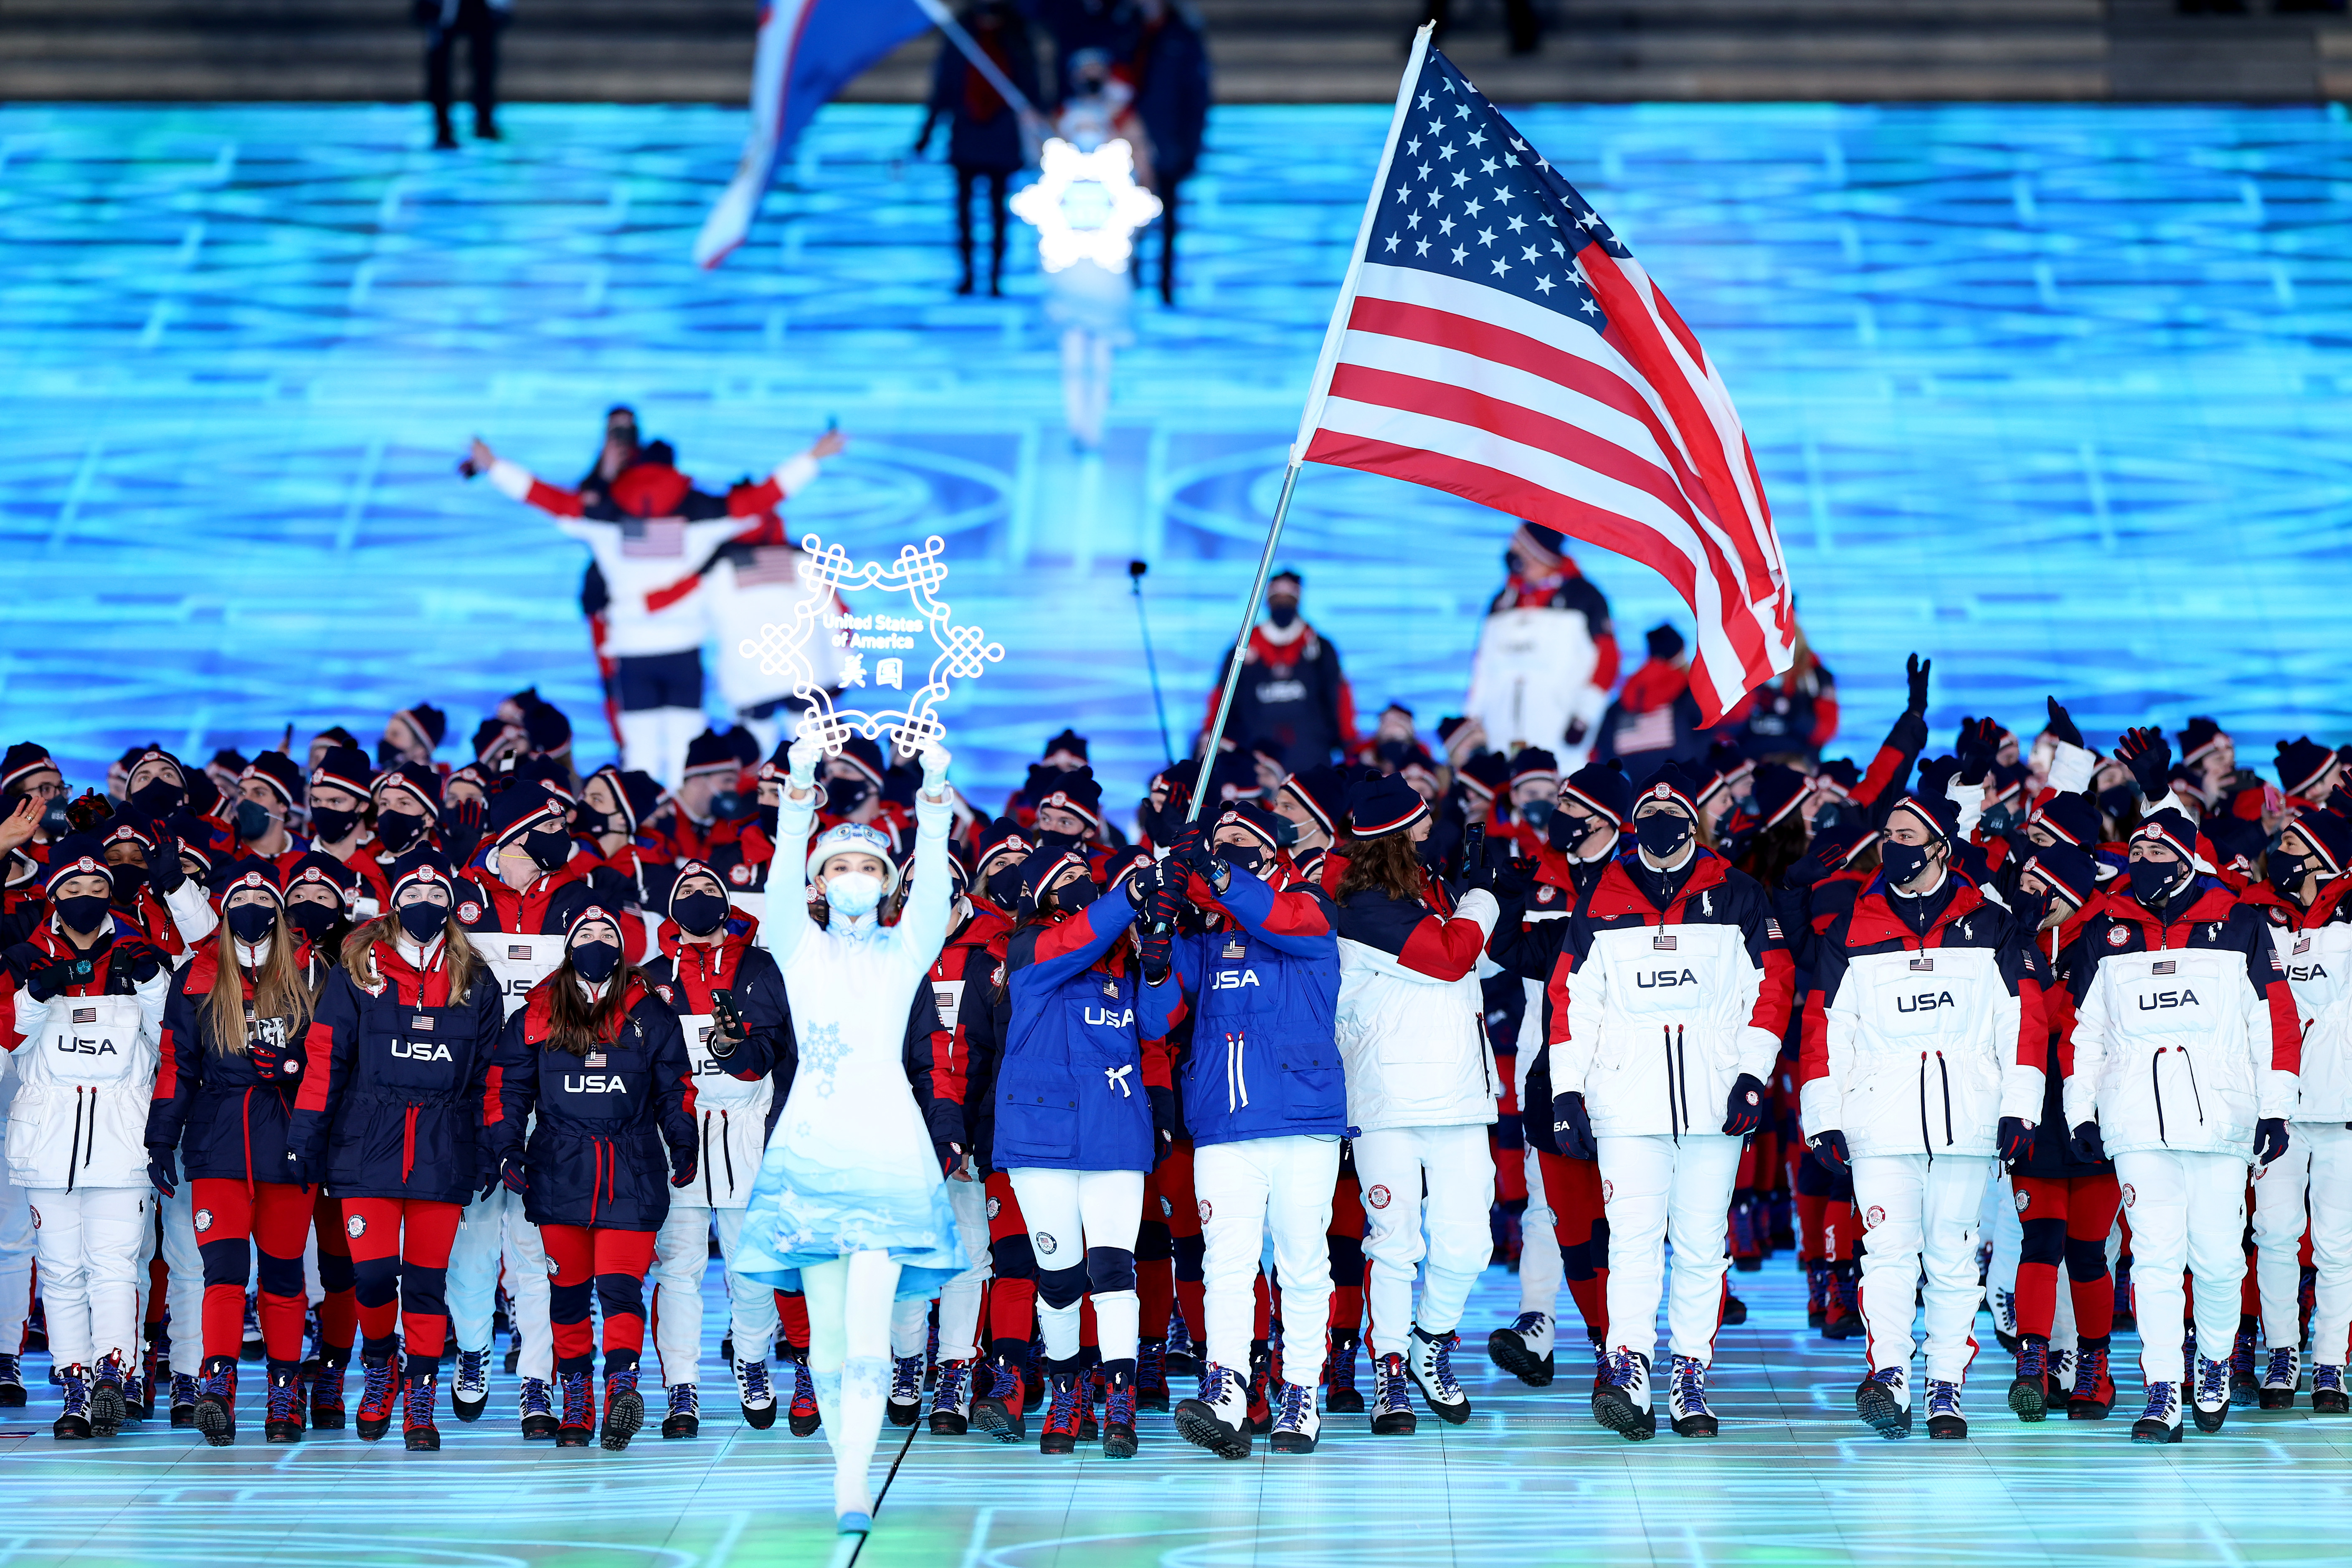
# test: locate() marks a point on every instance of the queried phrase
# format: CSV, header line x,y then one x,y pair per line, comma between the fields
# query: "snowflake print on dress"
x,y
821,1052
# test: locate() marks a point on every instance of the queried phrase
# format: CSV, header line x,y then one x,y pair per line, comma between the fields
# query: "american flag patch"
x,y
1663,942
767,563
1771,928
653,538
596,1058
1923,963
422,1023
85,1015
517,952
1235,950
2165,968
2301,946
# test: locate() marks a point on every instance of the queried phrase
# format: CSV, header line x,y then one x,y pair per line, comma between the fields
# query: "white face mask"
x,y
854,893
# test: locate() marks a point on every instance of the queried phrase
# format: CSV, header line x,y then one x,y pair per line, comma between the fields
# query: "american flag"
x,y
652,538
1496,340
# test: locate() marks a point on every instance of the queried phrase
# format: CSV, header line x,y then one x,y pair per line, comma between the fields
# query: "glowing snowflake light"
x,y
1087,206
962,652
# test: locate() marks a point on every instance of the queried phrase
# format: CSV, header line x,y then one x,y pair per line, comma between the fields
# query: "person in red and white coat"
x,y
652,532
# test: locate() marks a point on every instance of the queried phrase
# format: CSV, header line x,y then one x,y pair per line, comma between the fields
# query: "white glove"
x,y
934,758
801,763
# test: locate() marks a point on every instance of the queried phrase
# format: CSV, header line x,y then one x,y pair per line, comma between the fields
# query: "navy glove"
x,y
1744,1111
510,1172
2061,724
1163,1116
163,1169
2145,752
462,826
298,1171
2270,1138
1831,1150
51,976
2016,1140
1572,1127
683,1165
1914,673
164,872
2085,1147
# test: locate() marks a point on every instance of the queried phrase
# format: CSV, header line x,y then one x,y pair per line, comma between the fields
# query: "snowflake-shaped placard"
x,y
1085,205
883,641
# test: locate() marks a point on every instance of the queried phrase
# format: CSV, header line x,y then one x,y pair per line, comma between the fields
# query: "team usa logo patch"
x,y
1377,1196
1046,1244
355,1227
204,1219
2117,936
1207,1209
2023,1198
661,991
1875,1218
994,1208
740,874
2130,1195
37,1214
1608,1189
469,912
1548,896
1167,1209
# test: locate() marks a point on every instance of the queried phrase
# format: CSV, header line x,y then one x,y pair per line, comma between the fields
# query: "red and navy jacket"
x,y
1261,987
735,848
486,903
226,1111
596,1156
390,1095
1069,1091
686,973
962,978
1527,948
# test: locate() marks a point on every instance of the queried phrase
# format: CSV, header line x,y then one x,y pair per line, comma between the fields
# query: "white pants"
x,y
174,1231
1997,1222
653,741
492,1232
1247,1189
960,1297
681,1253
2312,1180
1654,1189
16,1264
1541,1271
1069,1211
91,1243
2187,1211
1394,1165
910,1327
1919,1213
850,1308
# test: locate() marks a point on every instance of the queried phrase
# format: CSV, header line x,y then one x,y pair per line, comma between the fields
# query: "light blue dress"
x,y
849,1167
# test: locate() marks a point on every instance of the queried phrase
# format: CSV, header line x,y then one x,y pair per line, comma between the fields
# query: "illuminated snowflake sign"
x,y
881,641
1087,206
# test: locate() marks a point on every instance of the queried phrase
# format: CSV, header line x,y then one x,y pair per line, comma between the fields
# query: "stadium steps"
x,y
1264,50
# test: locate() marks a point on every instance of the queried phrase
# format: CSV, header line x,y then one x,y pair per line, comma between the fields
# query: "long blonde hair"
x,y
358,954
282,989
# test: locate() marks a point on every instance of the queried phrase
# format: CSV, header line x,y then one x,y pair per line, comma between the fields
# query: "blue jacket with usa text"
x,y
1069,1091
1262,992
596,1155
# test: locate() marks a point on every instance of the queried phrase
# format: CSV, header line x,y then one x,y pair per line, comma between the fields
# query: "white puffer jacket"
x,y
86,1072
1411,1024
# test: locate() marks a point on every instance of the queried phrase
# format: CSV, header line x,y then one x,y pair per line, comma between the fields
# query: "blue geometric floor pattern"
x,y
1794,1481
2059,395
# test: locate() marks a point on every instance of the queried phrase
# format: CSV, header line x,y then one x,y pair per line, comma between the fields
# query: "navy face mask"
x,y
2152,879
699,915
424,921
312,920
1248,856
127,881
1662,832
549,848
157,797
250,922
1282,612
1567,834
252,821
83,912
333,826
1077,896
595,961
1004,886
1536,814
1903,861
399,829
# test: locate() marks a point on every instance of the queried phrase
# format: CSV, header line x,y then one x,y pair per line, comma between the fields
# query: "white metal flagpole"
x,y
1315,396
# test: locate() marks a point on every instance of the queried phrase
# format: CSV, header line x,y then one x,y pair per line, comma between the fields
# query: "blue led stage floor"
x,y
1795,1482
2058,395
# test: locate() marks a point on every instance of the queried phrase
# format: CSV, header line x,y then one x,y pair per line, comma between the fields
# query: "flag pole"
x,y
1318,390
